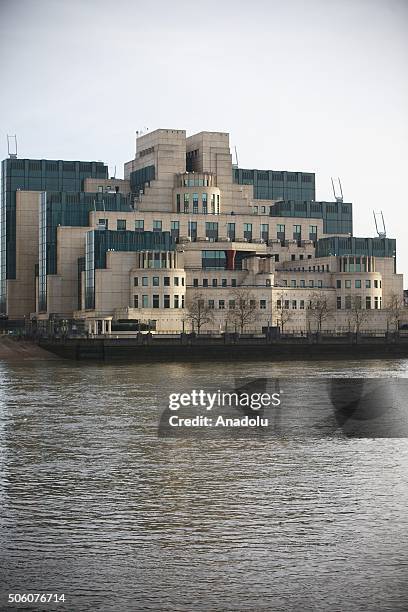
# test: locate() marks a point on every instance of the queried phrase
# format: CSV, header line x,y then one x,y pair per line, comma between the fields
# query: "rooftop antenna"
x,y
338,198
236,156
11,154
381,233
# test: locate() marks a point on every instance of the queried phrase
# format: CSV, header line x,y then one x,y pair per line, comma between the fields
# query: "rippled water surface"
x,y
94,505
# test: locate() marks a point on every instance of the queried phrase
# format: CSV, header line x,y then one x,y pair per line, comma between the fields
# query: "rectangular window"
x,y
348,302
233,282
312,232
166,281
178,202
231,304
248,231
176,301
293,283
311,283
192,230
156,281
157,226
213,203
293,257
376,303
320,284
368,283
166,301
214,282
135,301
368,302
195,203
286,304
231,231
262,304
302,304
278,304
357,284
176,281
347,284
338,303
103,222
205,282
211,231
302,283
376,284
211,304
145,301
136,281
338,284
186,202
139,225
280,231
221,304
213,260
204,203
294,304
145,281
121,224
297,231
156,301
223,282
264,230
195,282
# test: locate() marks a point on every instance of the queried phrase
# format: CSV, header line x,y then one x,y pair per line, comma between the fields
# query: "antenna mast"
x,y
338,198
381,233
12,155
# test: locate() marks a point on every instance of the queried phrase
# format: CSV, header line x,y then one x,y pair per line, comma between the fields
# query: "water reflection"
x,y
96,506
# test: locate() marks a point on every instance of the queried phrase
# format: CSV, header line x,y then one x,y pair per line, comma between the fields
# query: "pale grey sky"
x,y
317,86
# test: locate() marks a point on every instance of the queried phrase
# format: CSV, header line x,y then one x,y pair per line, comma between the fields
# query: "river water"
x,y
96,506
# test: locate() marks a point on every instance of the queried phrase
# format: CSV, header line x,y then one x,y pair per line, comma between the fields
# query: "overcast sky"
x,y
319,86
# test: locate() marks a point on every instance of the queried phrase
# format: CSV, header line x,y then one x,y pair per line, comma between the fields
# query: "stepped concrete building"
x,y
186,241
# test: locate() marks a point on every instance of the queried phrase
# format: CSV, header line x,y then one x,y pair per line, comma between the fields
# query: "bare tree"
x,y
283,315
198,312
320,308
394,308
245,312
356,315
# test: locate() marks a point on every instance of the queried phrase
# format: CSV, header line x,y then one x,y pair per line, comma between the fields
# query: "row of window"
x,y
357,302
178,281
222,304
301,257
357,283
302,283
290,304
204,209
211,229
155,302
196,182
214,282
